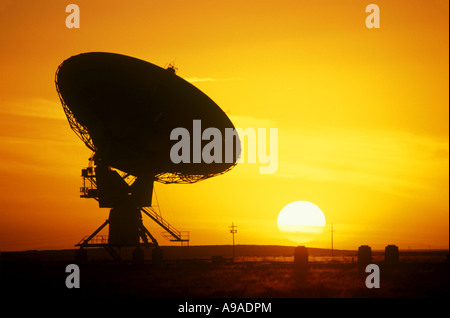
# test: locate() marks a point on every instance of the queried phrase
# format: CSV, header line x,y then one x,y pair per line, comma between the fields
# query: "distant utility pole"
x,y
233,231
331,239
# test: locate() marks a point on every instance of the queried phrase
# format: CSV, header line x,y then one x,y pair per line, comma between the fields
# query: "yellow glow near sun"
x,y
301,221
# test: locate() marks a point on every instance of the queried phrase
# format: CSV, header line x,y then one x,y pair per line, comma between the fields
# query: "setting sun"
x,y
301,221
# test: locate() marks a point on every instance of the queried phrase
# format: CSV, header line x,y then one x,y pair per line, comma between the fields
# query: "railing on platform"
x,y
183,236
96,240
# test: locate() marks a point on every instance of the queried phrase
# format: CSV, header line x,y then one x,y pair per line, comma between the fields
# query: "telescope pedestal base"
x,y
125,230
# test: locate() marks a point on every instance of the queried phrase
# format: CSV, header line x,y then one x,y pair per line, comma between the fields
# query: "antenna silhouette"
x,y
233,231
105,97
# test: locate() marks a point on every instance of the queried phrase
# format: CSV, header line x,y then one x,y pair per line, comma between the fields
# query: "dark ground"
x,y
267,272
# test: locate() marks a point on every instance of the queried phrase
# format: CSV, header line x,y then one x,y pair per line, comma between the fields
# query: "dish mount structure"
x,y
124,110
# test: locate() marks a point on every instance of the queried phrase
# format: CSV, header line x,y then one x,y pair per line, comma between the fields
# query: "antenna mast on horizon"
x,y
331,239
233,231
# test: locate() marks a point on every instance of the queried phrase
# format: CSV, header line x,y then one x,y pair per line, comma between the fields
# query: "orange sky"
x,y
362,116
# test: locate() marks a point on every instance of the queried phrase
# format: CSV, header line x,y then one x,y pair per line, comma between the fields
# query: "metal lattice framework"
x,y
79,129
176,177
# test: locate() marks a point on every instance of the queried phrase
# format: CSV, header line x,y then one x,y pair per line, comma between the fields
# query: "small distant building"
x,y
391,256
364,255
301,257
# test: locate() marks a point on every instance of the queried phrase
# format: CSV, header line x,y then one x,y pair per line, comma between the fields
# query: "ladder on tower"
x,y
171,233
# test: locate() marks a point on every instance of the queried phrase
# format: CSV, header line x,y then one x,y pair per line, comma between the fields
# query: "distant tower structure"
x,y
233,231
391,256
332,239
301,257
364,255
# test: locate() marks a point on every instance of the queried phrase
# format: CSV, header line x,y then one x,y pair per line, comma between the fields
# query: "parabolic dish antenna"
x,y
124,110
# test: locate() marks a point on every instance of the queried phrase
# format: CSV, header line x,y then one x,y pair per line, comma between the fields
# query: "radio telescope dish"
x,y
124,110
